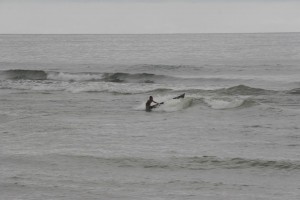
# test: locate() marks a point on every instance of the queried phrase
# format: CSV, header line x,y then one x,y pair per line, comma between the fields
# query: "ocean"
x,y
73,123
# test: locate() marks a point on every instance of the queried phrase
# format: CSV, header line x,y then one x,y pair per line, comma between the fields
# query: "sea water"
x,y
73,123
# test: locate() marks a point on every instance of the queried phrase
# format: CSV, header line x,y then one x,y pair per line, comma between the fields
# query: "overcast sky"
x,y
148,16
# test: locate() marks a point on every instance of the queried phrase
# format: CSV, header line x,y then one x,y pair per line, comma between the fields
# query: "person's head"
x,y
151,98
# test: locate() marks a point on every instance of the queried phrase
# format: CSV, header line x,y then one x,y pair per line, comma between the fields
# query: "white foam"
x,y
77,87
175,105
223,103
122,88
73,77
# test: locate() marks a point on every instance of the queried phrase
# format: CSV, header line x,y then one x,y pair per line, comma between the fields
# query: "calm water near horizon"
x,y
73,123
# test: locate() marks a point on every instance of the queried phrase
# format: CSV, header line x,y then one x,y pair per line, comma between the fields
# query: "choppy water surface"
x,y
73,124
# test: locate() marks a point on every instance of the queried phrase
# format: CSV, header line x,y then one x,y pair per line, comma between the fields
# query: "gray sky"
x,y
148,16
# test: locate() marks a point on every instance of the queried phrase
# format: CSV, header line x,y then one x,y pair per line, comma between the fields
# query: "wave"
x,y
131,88
244,90
126,77
122,77
127,83
191,163
229,103
78,87
80,77
118,77
18,74
294,91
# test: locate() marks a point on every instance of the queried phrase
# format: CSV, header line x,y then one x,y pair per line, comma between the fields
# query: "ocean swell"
x,y
191,163
18,74
244,90
294,91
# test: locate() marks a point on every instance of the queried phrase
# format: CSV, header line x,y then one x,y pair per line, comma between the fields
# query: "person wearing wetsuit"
x,y
148,104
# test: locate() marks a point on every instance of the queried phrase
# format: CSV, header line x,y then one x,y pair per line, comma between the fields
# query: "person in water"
x,y
148,104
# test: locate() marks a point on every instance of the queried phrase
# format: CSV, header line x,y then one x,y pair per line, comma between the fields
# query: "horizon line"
x,y
148,33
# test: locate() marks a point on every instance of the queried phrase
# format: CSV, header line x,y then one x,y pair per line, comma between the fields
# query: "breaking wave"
x,y
127,83
229,103
126,77
61,76
119,77
78,87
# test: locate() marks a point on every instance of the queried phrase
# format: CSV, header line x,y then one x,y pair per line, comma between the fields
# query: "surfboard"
x,y
178,97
